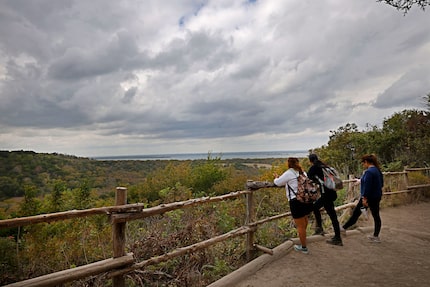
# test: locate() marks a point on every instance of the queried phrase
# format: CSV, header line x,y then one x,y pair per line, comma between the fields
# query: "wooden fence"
x,y
122,263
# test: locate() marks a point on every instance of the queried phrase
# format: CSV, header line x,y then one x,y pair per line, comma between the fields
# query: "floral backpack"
x,y
307,190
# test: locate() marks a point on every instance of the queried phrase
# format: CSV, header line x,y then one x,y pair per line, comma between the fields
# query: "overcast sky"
x,y
94,78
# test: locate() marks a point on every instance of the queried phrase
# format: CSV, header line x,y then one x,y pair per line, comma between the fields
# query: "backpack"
x,y
331,178
307,190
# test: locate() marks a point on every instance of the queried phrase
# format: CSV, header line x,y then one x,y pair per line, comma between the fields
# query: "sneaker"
x,y
302,249
374,239
319,231
335,241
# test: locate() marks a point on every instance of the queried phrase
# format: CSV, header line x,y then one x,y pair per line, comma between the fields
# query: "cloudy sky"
x,y
94,78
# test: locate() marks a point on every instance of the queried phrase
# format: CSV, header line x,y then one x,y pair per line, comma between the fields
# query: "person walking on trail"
x,y
371,182
328,196
299,210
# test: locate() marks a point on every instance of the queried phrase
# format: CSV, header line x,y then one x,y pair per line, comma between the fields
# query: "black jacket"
x,y
316,171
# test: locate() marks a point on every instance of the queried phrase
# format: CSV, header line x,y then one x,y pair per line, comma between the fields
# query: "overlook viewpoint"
x,y
401,259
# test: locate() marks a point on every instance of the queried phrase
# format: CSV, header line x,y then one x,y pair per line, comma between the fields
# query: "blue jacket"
x,y
372,182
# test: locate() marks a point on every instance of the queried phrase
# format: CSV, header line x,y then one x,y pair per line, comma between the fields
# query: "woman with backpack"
x,y
299,210
328,196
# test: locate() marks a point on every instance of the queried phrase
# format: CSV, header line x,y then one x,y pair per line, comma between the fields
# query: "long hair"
x,y
371,158
313,158
293,162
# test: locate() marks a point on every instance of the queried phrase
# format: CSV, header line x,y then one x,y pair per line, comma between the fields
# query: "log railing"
x,y
119,215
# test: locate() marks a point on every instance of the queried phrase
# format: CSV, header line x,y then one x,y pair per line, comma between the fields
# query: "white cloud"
x,y
196,76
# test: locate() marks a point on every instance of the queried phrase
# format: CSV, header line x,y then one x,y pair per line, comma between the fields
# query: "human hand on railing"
x,y
357,182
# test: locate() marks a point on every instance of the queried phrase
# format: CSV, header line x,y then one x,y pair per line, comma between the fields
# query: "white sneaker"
x,y
374,239
301,249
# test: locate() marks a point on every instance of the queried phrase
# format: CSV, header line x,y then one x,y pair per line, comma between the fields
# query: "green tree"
x,y
406,137
9,187
341,149
8,258
55,200
402,140
31,205
204,176
171,176
83,195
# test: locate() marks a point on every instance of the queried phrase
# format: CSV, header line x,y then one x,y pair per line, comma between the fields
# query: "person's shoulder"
x,y
292,171
373,169
314,168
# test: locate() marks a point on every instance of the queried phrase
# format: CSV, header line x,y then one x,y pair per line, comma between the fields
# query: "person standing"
x,y
328,196
299,210
371,182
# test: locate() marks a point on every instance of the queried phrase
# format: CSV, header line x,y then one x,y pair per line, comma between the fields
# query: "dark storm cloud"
x,y
186,73
415,83
77,63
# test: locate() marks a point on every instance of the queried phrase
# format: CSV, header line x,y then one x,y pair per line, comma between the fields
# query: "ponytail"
x,y
371,158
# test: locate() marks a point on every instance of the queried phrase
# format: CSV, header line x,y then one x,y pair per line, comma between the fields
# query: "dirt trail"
x,y
401,259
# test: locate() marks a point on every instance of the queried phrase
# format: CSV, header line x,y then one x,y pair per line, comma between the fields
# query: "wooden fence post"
x,y
250,217
118,235
350,196
406,178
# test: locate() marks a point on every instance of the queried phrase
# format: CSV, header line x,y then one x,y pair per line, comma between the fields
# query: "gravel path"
x,y
401,259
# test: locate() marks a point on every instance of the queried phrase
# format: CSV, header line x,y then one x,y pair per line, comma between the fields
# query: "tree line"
x,y
402,140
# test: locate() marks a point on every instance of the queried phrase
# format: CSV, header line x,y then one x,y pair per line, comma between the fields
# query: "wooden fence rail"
x,y
58,278
119,215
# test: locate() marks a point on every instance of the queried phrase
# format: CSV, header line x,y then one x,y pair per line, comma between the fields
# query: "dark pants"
x,y
327,200
373,204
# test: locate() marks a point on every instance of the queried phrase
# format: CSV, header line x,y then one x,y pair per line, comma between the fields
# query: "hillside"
x,y
41,173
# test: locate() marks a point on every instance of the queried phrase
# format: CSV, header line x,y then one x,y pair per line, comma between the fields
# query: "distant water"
x,y
222,155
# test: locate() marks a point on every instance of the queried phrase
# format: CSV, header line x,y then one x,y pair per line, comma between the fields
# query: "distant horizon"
x,y
204,155
184,155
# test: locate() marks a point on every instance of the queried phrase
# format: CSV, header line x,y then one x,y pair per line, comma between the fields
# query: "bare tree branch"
x,y
404,5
